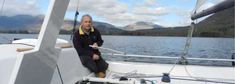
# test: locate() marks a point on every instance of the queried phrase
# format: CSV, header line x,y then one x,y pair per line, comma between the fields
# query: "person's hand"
x,y
95,46
95,57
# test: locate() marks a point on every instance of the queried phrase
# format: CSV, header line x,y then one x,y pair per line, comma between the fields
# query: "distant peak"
x,y
140,25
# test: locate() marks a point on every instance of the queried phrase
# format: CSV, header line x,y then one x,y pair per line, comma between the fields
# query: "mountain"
x,y
141,26
220,24
104,28
174,31
20,23
32,24
107,29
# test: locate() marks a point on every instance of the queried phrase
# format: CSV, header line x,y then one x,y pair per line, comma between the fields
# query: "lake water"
x,y
158,46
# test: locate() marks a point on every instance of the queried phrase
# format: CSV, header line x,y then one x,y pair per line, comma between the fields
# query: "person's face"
x,y
86,23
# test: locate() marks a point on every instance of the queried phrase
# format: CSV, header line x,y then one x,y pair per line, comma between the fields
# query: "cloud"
x,y
150,3
150,11
111,11
119,13
98,6
16,7
186,17
127,18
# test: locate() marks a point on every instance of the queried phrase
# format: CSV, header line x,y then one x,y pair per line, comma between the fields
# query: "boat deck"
x,y
72,70
186,74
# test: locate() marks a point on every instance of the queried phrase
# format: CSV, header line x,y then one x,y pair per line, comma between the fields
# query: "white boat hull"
x,y
71,69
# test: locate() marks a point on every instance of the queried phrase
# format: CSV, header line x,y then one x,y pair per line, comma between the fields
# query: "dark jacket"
x,y
81,43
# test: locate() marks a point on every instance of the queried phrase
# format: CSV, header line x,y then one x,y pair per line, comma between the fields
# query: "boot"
x,y
100,74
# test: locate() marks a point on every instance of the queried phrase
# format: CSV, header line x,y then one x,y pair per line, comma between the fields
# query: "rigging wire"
x,y
176,62
75,20
57,67
188,42
77,5
190,34
1,14
199,3
73,31
183,60
3,3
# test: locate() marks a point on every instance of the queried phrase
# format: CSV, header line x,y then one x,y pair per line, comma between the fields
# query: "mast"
x,y
37,66
219,7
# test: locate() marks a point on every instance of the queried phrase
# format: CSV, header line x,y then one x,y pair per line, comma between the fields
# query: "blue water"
x,y
158,46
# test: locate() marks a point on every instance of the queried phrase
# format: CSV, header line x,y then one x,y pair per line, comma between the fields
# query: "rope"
x,y
2,7
118,74
176,62
139,56
59,74
186,70
134,74
109,49
190,33
187,45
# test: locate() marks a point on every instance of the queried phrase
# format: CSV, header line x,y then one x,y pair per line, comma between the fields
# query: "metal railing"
x,y
123,54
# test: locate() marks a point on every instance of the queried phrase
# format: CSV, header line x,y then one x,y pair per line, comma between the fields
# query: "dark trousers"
x,y
94,65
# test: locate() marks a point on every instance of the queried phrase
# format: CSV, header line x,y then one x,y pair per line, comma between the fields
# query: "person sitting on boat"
x,y
86,41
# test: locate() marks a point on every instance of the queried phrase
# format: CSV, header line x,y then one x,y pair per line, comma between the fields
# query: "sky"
x,y
167,13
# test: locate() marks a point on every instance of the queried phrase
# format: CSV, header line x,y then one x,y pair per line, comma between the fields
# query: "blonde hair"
x,y
86,15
